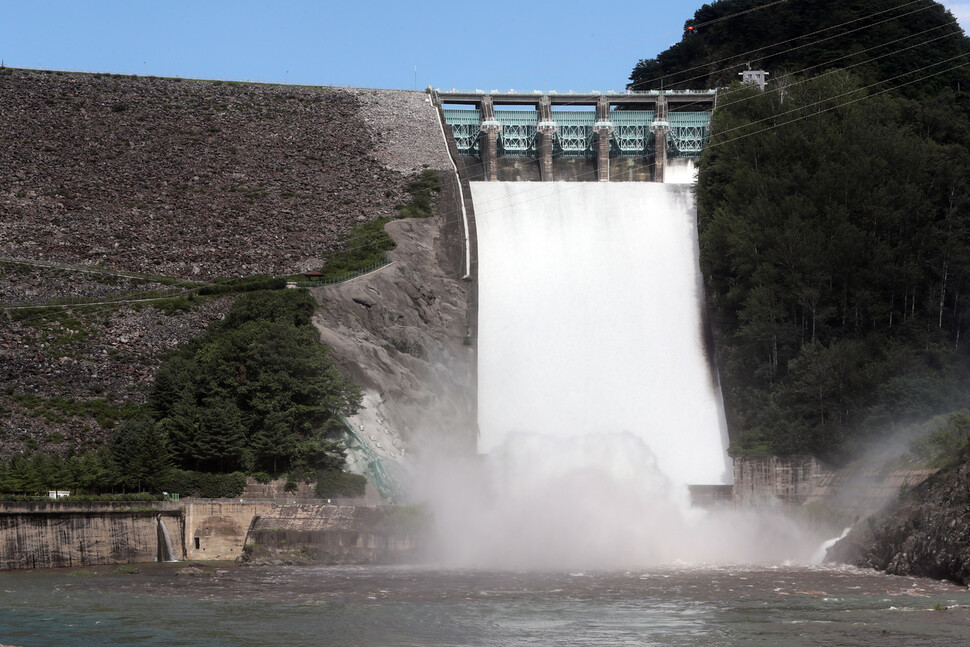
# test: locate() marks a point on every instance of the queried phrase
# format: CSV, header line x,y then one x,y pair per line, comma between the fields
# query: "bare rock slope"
x,y
406,329
184,178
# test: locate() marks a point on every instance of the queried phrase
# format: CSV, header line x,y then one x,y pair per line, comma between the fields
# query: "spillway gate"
x,y
647,126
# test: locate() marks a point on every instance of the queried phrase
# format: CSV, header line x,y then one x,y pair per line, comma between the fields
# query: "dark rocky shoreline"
x,y
924,533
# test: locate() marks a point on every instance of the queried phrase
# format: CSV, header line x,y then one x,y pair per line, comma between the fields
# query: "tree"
x,y
140,455
254,391
836,276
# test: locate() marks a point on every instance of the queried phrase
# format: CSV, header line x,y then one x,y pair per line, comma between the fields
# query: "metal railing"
x,y
344,277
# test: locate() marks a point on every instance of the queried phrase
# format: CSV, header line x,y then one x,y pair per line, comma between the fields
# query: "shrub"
x,y
244,285
331,483
206,485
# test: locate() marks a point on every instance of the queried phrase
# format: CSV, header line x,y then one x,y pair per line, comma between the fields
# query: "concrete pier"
x,y
546,133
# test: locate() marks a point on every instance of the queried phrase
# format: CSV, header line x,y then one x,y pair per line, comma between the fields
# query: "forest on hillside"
x,y
256,394
833,216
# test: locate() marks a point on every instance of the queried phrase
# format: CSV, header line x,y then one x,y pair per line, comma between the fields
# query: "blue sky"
x,y
501,44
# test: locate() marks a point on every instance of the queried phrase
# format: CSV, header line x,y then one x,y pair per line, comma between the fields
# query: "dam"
x,y
601,430
590,298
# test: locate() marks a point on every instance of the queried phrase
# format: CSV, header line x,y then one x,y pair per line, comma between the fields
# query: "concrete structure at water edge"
x,y
576,137
59,534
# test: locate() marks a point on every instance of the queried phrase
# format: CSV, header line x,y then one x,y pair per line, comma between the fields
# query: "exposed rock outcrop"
x,y
925,532
402,333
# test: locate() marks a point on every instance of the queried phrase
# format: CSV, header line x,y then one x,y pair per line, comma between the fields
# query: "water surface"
x,y
371,606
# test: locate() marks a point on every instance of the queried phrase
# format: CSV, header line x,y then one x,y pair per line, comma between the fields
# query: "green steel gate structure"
x,y
631,134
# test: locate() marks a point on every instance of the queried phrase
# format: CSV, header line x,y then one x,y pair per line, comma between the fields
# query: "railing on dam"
x,y
631,132
574,132
466,126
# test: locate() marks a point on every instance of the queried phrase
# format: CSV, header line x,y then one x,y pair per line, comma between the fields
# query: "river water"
x,y
370,606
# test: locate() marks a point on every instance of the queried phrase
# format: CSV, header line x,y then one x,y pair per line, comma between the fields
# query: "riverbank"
x,y
925,532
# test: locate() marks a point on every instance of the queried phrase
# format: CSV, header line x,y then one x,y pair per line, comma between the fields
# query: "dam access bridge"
x,y
538,136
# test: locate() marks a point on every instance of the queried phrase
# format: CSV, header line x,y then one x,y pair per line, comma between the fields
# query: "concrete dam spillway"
x,y
590,327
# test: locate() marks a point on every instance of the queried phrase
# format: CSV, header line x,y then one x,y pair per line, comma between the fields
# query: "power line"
x,y
807,68
784,42
862,89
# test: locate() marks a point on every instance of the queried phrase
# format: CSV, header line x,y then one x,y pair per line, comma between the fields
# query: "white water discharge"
x,y
167,552
597,405
590,322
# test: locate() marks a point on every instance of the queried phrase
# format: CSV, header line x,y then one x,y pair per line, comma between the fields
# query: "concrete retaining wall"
x,y
333,534
216,530
760,480
51,538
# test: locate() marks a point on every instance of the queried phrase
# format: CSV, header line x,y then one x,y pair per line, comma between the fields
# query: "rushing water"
x,y
590,321
597,404
370,606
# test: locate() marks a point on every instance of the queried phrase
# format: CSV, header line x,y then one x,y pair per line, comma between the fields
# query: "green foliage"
x,y
291,307
38,472
423,190
57,409
204,484
257,392
173,306
331,483
249,284
141,457
836,247
818,35
941,439
367,243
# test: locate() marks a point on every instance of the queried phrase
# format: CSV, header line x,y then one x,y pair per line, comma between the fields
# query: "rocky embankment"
x,y
114,189
184,178
925,532
405,329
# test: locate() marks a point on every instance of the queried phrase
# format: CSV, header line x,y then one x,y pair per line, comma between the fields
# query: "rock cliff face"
x,y
926,532
403,333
